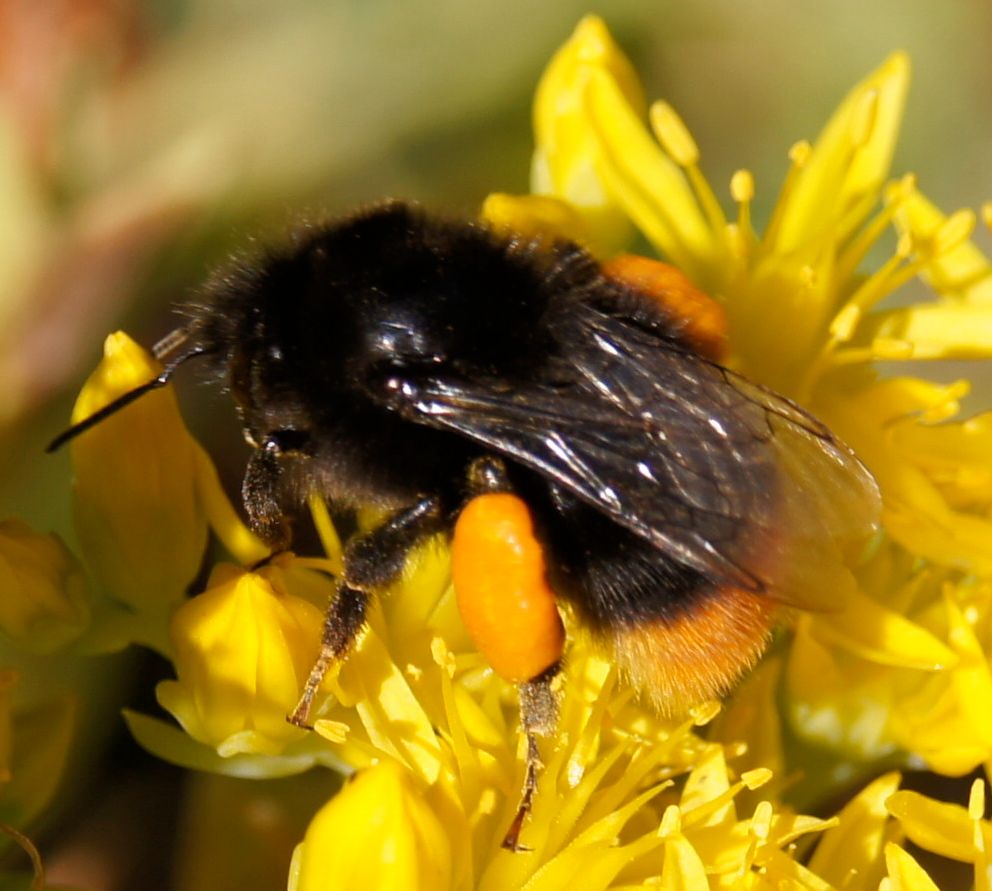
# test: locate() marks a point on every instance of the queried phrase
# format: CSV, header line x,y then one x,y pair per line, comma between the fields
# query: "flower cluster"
x,y
899,674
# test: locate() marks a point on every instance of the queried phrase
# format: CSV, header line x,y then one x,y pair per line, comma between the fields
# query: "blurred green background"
x,y
142,142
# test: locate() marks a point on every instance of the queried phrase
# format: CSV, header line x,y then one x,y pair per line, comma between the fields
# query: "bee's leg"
x,y
261,495
371,562
345,617
486,475
538,717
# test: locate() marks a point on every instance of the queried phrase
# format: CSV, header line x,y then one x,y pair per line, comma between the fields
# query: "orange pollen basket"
x,y
498,573
704,320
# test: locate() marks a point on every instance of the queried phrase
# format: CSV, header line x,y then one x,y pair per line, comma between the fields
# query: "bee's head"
x,y
245,324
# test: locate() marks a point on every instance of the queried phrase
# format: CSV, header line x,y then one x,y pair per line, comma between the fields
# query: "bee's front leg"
x,y
371,562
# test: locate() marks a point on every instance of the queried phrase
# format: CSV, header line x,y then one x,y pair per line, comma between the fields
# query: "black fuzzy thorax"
x,y
308,336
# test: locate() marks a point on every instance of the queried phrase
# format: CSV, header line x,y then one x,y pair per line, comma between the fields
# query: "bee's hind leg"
x,y
538,718
538,697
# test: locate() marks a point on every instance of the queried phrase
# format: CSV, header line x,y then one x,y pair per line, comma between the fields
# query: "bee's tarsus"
x,y
538,717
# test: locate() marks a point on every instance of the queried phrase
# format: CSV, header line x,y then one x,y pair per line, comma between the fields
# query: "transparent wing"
x,y
719,473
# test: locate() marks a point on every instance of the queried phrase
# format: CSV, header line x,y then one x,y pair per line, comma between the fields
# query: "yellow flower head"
x,y
804,318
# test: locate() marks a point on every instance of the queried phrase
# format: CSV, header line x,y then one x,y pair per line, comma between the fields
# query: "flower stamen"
x,y
330,541
850,258
799,155
675,139
742,191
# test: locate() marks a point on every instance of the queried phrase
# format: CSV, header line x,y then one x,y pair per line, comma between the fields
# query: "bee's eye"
x,y
286,440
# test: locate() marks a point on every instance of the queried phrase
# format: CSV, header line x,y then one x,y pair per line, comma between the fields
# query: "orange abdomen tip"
x,y
700,654
704,320
497,566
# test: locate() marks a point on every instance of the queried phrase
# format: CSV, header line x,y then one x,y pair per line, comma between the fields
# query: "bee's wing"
x,y
719,473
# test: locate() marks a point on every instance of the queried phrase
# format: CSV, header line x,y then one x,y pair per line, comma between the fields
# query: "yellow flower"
x,y
801,309
803,319
44,602
872,704
144,491
378,832
948,719
242,651
623,796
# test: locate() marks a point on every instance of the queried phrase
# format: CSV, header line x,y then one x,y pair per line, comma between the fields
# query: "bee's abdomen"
x,y
678,635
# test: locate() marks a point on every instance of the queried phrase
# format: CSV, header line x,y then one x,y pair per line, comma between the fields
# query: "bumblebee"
x,y
568,424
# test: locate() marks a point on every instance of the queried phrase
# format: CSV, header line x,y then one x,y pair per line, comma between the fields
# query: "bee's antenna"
x,y
164,347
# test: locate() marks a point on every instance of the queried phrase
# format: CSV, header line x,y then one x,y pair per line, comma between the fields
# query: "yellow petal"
x,y
871,631
956,456
839,703
849,161
566,154
753,716
390,712
902,398
782,871
378,833
538,217
163,739
915,511
708,781
849,853
651,188
925,525
240,542
937,330
906,874
243,650
591,860
932,723
683,869
945,829
972,678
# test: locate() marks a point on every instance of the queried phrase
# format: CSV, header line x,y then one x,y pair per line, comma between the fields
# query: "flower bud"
x,y
243,650
139,520
44,601
378,832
